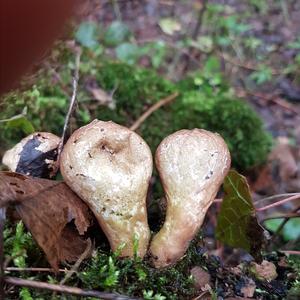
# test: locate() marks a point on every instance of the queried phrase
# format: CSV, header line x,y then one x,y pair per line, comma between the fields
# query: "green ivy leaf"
x,y
116,34
86,34
169,26
237,224
128,53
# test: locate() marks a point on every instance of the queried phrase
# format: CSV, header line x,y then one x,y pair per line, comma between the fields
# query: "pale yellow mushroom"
x,y
192,165
109,167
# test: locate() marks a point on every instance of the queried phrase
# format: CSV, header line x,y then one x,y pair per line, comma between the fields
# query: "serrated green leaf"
x,y
237,224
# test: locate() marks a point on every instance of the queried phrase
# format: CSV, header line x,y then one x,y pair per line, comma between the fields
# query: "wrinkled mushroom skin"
x,y
109,167
35,155
192,165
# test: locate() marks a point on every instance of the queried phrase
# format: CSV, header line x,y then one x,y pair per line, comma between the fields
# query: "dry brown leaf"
x,y
49,210
284,154
264,271
280,174
103,97
201,278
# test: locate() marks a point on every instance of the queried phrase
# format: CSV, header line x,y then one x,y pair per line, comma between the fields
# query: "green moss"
x,y
135,90
237,122
204,102
206,106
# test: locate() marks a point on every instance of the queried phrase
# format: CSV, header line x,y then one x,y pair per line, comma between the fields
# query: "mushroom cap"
x,y
35,155
192,165
109,167
190,161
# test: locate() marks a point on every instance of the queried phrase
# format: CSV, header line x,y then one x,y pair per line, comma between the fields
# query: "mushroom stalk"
x,y
109,167
192,165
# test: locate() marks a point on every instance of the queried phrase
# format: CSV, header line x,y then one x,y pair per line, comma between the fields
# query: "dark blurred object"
x,y
289,91
27,29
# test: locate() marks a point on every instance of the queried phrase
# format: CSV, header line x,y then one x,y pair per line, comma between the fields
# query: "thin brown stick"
x,y
10,258
72,104
292,198
289,216
270,98
15,269
192,51
247,66
77,264
151,110
64,289
291,252
259,201
280,227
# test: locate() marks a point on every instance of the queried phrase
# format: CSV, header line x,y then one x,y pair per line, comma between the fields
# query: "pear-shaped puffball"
x,y
192,165
109,167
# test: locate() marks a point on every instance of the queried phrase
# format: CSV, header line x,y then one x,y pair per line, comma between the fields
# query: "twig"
x,y
2,223
72,104
275,197
117,10
247,66
218,200
10,258
191,51
291,252
272,98
199,20
64,289
14,269
288,216
151,110
292,198
75,267
280,227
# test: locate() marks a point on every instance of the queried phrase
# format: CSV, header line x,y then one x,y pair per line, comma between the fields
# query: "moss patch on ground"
x,y
201,103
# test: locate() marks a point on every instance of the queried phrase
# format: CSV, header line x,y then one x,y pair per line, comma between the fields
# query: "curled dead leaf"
x,y
264,271
52,212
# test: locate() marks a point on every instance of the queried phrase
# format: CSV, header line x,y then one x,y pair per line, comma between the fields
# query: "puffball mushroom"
x,y
35,155
192,165
109,167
